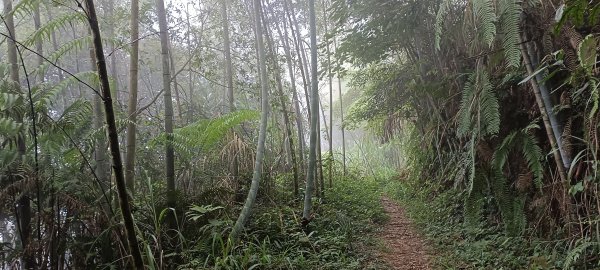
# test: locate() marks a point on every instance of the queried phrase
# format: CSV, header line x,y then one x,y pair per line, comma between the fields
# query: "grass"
x,y
341,235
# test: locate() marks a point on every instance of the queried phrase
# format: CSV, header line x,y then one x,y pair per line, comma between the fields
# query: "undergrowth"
x,y
339,236
438,214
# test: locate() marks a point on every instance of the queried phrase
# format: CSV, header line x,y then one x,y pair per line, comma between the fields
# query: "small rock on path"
x,y
404,248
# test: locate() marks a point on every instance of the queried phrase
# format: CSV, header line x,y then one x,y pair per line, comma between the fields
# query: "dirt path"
x,y
404,248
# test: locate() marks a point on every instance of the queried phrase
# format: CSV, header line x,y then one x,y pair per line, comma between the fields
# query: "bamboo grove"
x,y
500,99
87,140
162,134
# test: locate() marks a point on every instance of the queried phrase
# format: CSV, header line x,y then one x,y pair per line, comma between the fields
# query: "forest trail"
x,y
404,248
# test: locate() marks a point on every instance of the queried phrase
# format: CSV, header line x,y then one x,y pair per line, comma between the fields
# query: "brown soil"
x,y
404,248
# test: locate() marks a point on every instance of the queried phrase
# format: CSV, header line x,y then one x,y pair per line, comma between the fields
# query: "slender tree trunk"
x,y
24,202
227,54
330,77
229,83
549,132
38,43
239,224
284,107
303,65
175,84
314,118
114,73
102,169
169,151
190,108
113,137
342,129
545,94
77,64
288,58
341,98
133,96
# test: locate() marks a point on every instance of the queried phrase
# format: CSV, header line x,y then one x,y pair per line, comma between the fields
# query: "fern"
x,y
474,201
46,30
439,21
25,8
206,134
466,106
510,13
483,11
576,253
512,207
479,106
489,108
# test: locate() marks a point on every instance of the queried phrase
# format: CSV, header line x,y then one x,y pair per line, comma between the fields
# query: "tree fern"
x,y
485,16
510,13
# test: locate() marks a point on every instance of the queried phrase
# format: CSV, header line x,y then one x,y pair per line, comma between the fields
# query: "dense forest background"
x,y
239,134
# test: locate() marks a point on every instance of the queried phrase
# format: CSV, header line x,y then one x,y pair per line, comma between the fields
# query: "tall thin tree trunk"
x,y
102,169
330,77
169,151
114,73
24,202
314,118
342,129
549,132
284,107
303,65
341,100
190,107
227,54
37,21
260,150
113,137
133,96
288,58
229,83
175,84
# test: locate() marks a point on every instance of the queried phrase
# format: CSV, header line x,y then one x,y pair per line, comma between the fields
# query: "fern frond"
x,y
466,106
9,100
25,8
206,134
474,201
44,33
486,19
9,127
439,21
533,155
510,16
575,254
479,103
489,108
73,46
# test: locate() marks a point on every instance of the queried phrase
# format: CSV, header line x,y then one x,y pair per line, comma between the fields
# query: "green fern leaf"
x,y
510,16
489,107
53,26
439,21
486,17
